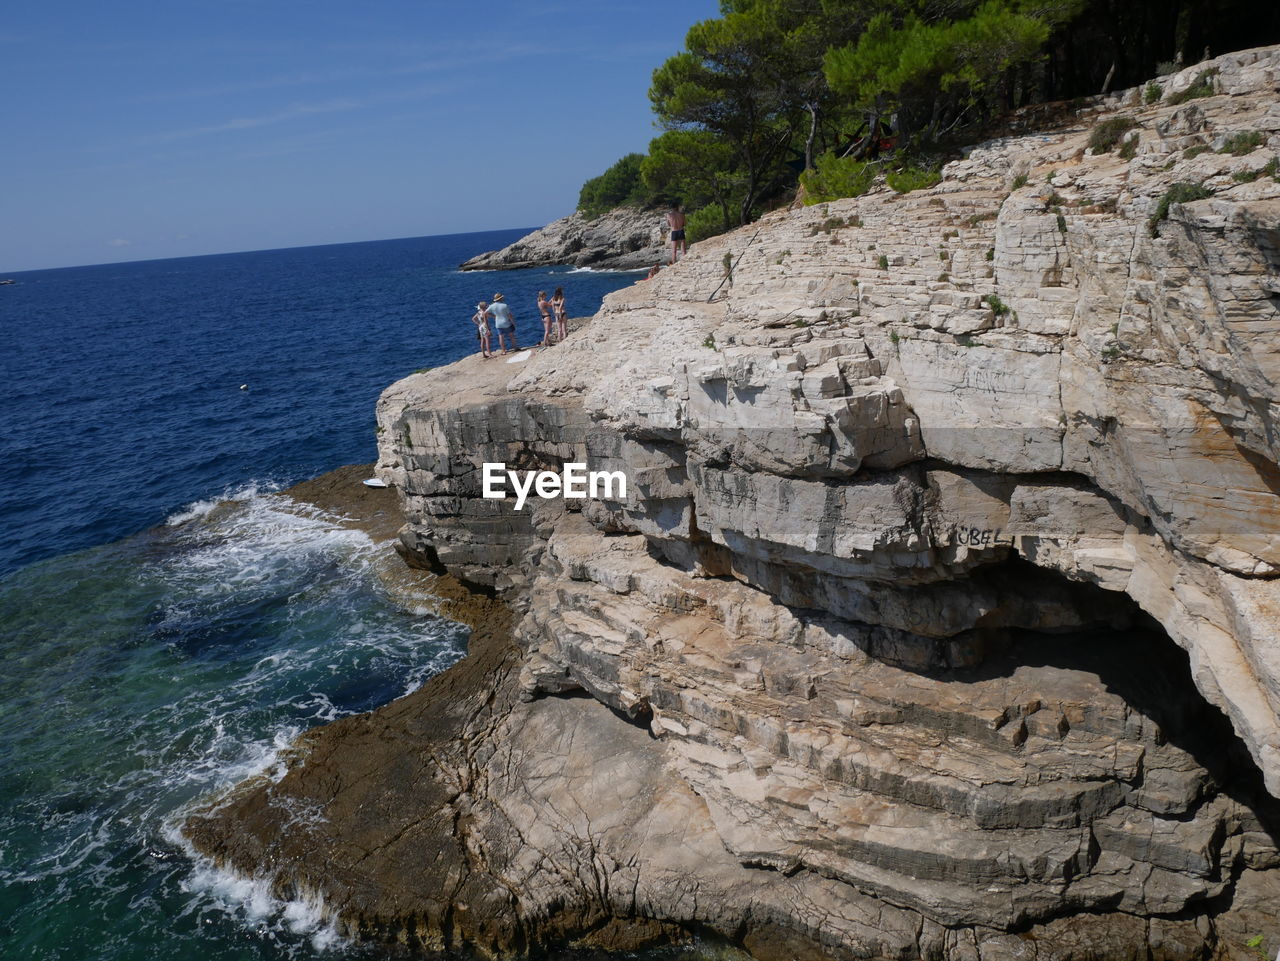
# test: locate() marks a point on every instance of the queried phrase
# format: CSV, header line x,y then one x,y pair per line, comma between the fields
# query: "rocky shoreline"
x,y
939,620
625,238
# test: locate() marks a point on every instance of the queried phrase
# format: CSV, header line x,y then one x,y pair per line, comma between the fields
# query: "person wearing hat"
x,y
503,323
481,319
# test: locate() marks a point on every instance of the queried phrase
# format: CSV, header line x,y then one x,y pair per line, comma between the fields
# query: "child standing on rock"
x,y
481,319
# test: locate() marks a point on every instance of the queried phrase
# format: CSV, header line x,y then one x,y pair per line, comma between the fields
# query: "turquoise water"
x,y
143,674
155,647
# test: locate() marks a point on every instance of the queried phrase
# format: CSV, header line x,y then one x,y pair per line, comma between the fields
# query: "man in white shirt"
x,y
503,322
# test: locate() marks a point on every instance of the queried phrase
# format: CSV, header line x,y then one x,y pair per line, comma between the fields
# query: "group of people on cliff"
x,y
555,322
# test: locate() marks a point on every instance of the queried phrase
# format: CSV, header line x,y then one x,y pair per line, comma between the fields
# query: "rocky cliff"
x,y
940,618
626,238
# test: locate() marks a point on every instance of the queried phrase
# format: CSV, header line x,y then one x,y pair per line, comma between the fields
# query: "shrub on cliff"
x,y
620,184
705,222
1108,133
912,178
835,177
1180,193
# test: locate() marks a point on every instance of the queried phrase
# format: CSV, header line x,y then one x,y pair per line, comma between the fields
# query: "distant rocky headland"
x,y
942,616
625,238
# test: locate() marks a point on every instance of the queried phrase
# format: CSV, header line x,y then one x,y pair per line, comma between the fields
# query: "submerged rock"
x,y
940,616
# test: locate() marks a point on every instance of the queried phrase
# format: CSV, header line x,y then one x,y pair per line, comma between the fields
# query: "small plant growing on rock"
x,y
943,255
1202,86
991,253
1180,193
1108,133
1152,93
1019,181
894,338
883,262
1240,144
998,306
1129,149
1191,153
943,277
710,342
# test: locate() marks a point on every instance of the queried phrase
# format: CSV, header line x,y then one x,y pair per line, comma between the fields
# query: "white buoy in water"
x,y
244,386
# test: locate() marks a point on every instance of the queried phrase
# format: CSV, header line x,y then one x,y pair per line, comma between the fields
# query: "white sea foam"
x,y
203,508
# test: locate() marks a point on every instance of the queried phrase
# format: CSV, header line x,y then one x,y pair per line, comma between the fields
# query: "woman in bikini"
x,y
544,308
562,315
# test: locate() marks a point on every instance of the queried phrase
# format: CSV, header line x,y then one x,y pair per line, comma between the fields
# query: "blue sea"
x,y
169,621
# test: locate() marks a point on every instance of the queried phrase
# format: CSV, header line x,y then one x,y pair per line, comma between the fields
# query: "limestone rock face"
x,y
625,238
940,616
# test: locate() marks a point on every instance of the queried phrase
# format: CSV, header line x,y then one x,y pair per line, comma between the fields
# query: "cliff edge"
x,y
939,619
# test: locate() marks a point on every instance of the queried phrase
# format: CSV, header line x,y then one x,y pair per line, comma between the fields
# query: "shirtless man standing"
x,y
675,220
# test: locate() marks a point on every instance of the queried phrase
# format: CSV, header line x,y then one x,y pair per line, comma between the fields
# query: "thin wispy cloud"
x,y
293,112
300,111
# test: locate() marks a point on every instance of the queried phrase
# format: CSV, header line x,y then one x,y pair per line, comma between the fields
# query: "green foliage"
x,y
1020,181
1108,132
710,342
835,177
937,60
1062,223
1180,193
912,178
1192,152
991,253
620,184
998,306
746,79
1152,93
1246,142
883,262
704,223
1128,148
1202,86
692,167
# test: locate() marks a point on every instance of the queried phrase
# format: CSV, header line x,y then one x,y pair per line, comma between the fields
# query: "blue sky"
x,y
139,130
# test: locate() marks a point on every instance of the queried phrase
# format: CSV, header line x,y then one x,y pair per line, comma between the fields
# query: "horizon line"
x,y
262,250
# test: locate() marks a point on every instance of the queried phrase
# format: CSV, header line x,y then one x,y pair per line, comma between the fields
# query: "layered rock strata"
x,y
939,619
625,238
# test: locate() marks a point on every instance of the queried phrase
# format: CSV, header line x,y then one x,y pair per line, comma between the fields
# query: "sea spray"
x,y
149,676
